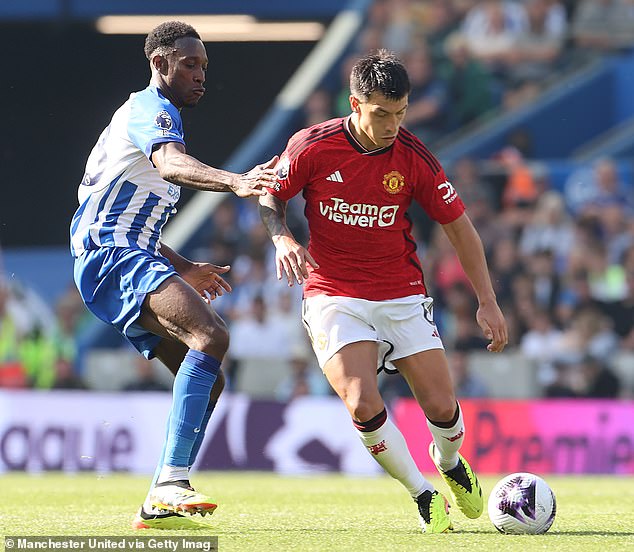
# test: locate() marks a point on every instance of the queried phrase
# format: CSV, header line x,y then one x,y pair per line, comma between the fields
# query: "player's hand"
x,y
491,321
292,260
252,183
206,279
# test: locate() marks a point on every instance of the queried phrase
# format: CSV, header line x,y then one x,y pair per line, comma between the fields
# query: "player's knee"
x,y
441,409
363,409
214,340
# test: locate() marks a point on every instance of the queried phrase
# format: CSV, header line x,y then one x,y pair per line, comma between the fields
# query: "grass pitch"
x,y
262,511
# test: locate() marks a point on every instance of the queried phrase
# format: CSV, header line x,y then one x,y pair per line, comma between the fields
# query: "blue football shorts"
x,y
113,282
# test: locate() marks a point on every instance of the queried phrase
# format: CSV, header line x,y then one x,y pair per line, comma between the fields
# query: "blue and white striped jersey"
x,y
123,201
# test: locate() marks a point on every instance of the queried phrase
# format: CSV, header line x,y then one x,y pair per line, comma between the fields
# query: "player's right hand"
x,y
254,182
292,260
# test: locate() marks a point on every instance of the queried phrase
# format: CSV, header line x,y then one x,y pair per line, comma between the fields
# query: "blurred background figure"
x,y
467,384
145,378
304,379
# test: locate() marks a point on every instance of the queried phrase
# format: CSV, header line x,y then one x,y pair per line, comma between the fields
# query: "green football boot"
x,y
433,510
463,484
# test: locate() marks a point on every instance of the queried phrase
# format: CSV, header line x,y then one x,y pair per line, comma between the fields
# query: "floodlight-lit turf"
x,y
262,511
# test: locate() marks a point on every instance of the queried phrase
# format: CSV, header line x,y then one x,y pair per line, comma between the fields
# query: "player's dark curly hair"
x,y
163,37
380,71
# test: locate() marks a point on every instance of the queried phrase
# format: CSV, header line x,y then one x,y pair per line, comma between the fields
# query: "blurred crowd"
x,y
469,59
561,258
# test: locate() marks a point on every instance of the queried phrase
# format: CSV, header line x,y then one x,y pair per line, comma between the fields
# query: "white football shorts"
x,y
401,327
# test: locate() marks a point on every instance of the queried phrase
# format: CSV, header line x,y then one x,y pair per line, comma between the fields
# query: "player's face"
x,y
377,119
185,77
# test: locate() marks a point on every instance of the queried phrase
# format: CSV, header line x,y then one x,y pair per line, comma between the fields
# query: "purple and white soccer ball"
x,y
522,503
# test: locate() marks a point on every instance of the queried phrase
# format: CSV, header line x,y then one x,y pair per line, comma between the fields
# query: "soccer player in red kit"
x,y
365,301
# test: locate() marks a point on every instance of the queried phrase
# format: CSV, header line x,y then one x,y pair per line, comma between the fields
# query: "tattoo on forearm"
x,y
274,217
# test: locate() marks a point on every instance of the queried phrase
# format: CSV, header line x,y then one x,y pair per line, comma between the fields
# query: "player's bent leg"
x,y
427,374
180,497
352,374
433,510
463,484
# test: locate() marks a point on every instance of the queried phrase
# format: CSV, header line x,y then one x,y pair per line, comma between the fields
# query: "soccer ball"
x,y
522,503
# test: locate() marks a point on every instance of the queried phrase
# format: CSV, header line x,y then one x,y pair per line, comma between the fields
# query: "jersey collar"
x,y
356,144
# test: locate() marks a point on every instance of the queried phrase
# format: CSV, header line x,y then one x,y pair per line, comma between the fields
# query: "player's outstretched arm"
x,y
175,165
468,246
291,258
205,278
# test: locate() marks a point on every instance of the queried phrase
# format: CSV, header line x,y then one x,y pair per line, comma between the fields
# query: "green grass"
x,y
261,511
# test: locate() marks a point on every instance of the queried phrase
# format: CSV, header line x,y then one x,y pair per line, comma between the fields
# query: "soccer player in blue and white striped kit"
x,y
157,299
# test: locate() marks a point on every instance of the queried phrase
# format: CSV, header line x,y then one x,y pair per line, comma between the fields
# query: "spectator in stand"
x,y
440,21
474,189
505,266
537,52
587,236
621,313
493,29
12,372
589,332
257,334
575,295
469,83
444,266
428,103
564,384
223,224
317,108
541,344
603,25
145,377
65,376
305,379
617,230
607,281
521,188
341,102
549,228
589,189
467,384
481,200
595,379
546,282
404,26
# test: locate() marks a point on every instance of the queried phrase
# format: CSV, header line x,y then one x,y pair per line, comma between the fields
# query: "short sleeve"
x,y
292,174
439,198
153,121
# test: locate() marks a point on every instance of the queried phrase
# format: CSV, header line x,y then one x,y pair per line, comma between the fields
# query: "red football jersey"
x,y
356,206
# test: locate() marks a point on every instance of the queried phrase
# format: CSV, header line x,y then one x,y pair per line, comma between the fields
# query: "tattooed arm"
x,y
291,258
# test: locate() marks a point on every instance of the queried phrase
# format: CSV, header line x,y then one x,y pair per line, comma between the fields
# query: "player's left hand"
x,y
254,182
206,279
491,321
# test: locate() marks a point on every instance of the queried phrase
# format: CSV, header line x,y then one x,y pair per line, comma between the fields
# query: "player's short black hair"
x,y
163,37
380,71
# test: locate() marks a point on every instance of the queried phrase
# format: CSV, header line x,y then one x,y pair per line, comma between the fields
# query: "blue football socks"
x,y
190,413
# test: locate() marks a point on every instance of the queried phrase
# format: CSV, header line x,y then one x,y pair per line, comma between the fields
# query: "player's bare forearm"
x,y
273,214
188,172
174,165
291,258
180,263
468,246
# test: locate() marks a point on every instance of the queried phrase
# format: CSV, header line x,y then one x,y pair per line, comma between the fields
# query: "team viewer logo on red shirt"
x,y
393,182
